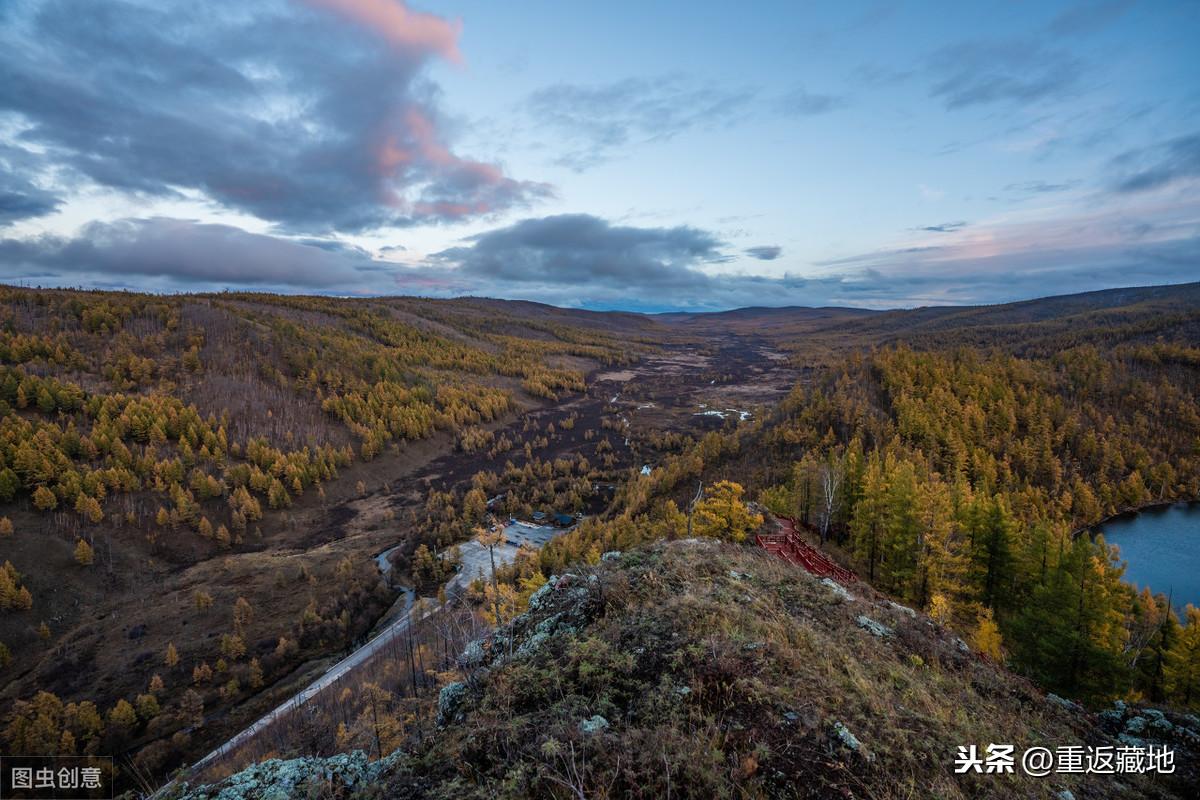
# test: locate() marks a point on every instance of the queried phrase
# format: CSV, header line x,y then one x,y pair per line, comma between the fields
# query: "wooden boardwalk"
x,y
791,547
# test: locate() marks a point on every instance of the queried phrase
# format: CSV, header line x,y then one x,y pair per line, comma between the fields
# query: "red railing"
x,y
791,547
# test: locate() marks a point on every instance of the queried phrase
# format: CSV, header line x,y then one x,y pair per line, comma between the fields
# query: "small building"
x,y
564,520
539,516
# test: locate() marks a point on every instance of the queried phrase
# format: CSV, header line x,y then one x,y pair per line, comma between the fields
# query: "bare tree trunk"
x,y
692,507
831,482
495,584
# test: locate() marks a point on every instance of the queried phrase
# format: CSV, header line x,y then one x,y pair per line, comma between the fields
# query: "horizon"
x,y
868,155
640,312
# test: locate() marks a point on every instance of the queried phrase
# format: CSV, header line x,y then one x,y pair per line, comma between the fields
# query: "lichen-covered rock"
x,y
1146,724
1162,727
593,724
1070,705
1114,718
450,700
276,779
843,735
553,625
837,589
611,555
558,608
872,627
472,655
539,595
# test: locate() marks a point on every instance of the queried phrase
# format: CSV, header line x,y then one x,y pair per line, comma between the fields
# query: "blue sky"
x,y
616,155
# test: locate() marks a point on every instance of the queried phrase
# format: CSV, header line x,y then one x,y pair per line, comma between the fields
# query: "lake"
x,y
1162,549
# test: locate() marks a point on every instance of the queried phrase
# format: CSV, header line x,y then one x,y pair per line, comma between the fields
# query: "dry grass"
x,y
722,673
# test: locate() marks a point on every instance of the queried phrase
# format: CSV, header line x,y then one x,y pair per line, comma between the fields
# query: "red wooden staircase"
x,y
788,545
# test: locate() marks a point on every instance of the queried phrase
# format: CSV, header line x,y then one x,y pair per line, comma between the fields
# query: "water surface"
x,y
1162,549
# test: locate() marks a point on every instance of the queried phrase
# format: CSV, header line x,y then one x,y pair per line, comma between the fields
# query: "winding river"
x,y
1162,549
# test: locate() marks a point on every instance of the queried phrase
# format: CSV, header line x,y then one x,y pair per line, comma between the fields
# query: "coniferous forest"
x,y
196,489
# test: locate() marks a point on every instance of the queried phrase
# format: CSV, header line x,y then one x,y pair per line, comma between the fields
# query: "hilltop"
x,y
693,668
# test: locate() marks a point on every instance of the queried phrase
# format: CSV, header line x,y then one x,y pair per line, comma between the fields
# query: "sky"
x,y
617,155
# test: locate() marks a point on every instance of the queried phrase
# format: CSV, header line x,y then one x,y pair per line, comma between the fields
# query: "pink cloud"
x,y
406,30
424,136
404,153
451,210
409,152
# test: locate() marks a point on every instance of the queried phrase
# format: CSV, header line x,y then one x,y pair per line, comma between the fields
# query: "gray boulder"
x,y
837,589
593,725
842,735
872,627
450,700
276,779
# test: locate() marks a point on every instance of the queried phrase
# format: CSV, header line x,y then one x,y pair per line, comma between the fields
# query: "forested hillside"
x,y
957,481
963,479
206,499
190,440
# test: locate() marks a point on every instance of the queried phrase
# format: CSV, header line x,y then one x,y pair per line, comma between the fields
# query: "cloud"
x,y
583,250
1157,166
879,75
19,199
1088,17
1008,260
944,227
1041,187
596,120
405,30
766,252
990,72
392,251
802,103
930,192
315,116
183,253
951,276
578,260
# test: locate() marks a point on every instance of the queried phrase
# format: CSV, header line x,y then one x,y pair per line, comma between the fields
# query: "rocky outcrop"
x,y
450,700
1137,727
872,627
561,606
340,775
